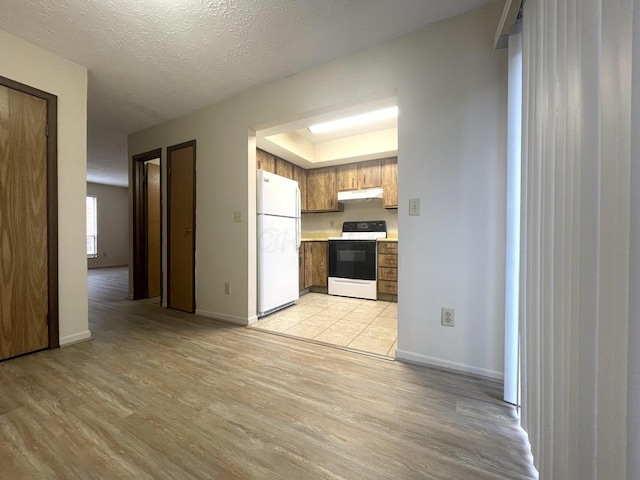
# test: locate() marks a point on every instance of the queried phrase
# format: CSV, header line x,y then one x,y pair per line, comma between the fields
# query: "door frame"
x,y
52,204
140,261
190,143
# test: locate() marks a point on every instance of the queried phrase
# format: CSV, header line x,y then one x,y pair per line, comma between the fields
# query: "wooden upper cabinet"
x,y
265,161
319,187
322,190
347,177
299,174
369,174
356,176
390,182
284,168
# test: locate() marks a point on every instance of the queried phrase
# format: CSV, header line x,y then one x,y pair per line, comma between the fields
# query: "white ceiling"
x,y
153,60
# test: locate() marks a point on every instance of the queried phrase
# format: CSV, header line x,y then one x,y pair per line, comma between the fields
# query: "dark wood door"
x,y
154,272
24,287
181,227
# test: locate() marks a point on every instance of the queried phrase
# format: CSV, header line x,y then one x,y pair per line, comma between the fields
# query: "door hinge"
x,y
47,130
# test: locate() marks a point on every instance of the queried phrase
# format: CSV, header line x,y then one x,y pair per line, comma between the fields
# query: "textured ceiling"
x,y
154,60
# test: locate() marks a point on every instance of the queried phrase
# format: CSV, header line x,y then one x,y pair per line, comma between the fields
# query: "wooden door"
x,y
181,227
154,256
28,221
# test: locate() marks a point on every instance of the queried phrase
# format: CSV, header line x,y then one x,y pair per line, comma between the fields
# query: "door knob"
x,y
188,229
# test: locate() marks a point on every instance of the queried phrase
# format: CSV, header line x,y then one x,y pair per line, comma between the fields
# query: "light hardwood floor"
x,y
159,394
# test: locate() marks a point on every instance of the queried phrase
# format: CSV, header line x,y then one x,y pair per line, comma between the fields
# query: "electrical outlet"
x,y
414,206
331,223
237,217
227,289
448,318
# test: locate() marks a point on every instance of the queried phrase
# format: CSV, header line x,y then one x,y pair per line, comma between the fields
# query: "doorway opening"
x,y
147,225
344,175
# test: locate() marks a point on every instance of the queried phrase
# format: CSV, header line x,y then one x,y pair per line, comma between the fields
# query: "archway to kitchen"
x,y
346,293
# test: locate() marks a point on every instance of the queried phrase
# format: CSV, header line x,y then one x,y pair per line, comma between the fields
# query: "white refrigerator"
x,y
278,225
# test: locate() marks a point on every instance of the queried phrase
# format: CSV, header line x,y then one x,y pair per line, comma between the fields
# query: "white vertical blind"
x,y
514,160
574,274
633,374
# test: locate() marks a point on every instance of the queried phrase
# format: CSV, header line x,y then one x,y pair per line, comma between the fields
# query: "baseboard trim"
x,y
223,317
75,338
92,267
411,357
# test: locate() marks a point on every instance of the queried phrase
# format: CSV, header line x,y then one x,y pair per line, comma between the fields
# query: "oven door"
x,y
355,259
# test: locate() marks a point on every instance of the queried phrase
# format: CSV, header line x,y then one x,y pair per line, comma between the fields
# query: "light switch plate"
x,y
414,206
237,216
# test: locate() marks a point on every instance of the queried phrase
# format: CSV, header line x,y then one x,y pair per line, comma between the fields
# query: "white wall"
x,y
451,89
113,225
33,66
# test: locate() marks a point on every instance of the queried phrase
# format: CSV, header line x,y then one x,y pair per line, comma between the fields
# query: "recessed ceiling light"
x,y
355,120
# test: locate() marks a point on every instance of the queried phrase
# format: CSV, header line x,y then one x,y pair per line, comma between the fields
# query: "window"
x,y
92,227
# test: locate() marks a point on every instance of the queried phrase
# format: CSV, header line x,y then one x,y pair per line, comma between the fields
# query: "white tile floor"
x,y
366,325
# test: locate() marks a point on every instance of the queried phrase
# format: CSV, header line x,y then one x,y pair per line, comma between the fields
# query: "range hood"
x,y
363,195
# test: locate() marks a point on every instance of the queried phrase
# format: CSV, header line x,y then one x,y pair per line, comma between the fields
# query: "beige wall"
x,y
113,225
451,90
33,66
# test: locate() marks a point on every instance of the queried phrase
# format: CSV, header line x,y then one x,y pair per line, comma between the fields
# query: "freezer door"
x,y
276,195
277,262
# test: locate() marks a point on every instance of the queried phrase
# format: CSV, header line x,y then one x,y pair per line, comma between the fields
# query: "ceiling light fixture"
x,y
355,120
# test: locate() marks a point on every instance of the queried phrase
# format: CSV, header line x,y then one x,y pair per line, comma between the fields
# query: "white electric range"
x,y
353,259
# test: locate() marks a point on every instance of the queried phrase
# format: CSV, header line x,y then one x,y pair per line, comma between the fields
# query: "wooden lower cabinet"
x,y
316,256
301,286
388,270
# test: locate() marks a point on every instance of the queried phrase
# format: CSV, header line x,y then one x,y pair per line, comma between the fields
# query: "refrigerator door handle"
x,y
298,218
